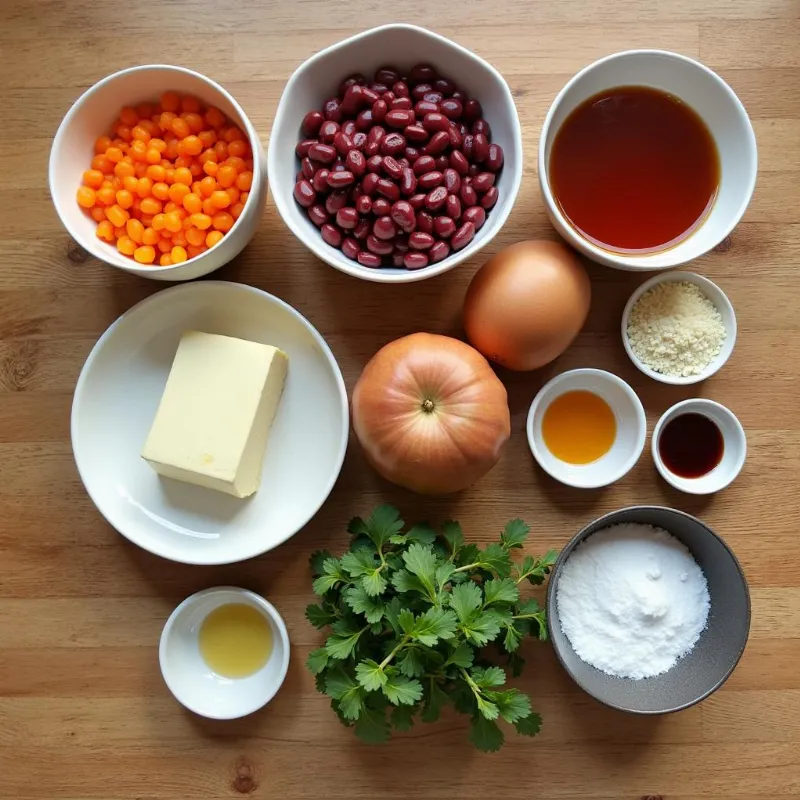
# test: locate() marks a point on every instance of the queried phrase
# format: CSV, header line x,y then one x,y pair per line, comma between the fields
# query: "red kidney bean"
x,y
393,144
363,204
403,216
415,133
411,153
379,246
439,252
343,143
364,119
436,198
370,184
481,147
452,206
369,95
420,240
340,180
388,75
347,217
404,162
362,230
389,98
349,127
468,146
359,140
375,164
415,260
424,222
307,168
350,248
323,153
303,146
390,190
400,89
311,124
331,235
430,180
356,163
483,181
473,170
438,143
444,85
433,97
444,227
494,159
458,162
332,109
304,193
422,72
392,168
408,181
338,165
350,80
356,192
401,104
490,198
328,131
456,139
463,236
442,162
381,206
468,196
379,110
420,90
352,100
423,164
476,215
452,109
320,180
417,201
400,118
384,228
459,95
379,87
299,176
334,201
472,110
481,126
369,259
463,129
452,180
318,215
435,122
424,107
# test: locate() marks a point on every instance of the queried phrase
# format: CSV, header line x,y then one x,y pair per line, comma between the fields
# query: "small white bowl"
x,y
117,396
715,102
631,428
193,683
733,456
715,295
401,45
91,116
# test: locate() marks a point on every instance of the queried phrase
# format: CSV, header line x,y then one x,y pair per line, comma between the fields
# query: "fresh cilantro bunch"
x,y
412,615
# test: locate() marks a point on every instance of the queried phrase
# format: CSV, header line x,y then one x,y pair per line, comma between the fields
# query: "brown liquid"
x,y
691,445
634,169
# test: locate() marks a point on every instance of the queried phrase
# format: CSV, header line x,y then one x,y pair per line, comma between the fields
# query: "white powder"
x,y
632,600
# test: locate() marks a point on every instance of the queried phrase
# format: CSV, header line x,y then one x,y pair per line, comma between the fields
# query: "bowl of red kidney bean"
x,y
403,169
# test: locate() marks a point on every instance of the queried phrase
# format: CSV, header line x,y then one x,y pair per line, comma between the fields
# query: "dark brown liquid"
x,y
634,169
691,445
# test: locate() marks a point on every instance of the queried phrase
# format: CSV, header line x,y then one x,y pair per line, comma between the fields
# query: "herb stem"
x,y
399,646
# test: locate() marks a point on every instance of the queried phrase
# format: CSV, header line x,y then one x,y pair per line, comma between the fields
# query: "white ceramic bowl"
x,y
715,295
733,456
193,683
317,79
711,98
91,116
631,428
119,390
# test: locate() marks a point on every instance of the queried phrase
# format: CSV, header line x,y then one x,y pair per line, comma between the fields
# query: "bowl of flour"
x,y
648,610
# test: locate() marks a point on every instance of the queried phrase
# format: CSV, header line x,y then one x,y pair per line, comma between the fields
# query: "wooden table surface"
x,y
83,710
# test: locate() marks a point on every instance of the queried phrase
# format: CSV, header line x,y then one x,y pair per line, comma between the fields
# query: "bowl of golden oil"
x,y
586,428
224,652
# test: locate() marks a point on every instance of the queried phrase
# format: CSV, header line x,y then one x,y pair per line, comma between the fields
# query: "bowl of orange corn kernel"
x,y
158,171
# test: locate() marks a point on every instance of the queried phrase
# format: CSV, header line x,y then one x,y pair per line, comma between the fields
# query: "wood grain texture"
x,y
84,714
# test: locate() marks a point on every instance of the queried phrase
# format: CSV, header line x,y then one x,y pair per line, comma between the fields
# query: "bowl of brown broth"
x,y
647,160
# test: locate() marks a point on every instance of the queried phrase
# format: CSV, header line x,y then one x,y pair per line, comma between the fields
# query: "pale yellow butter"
x,y
215,415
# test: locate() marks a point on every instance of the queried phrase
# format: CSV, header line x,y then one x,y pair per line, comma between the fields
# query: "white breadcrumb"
x,y
675,329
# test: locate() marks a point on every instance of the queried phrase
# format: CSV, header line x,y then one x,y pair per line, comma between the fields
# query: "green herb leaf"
x,y
435,700
486,708
342,645
410,663
402,690
317,660
406,621
465,600
486,735
481,629
383,523
338,683
370,675
332,575
421,561
487,677
454,536
515,533
391,611
512,704
357,598
374,583
462,656
434,624
469,554
359,562
404,581
501,590
529,725
497,559
422,534
317,560
532,612
372,726
352,703
402,718
512,638
320,616
443,574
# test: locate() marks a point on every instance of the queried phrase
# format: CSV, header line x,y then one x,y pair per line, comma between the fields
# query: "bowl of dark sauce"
x,y
647,160
699,446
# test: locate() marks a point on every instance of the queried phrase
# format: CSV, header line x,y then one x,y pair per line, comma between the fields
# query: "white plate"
x,y
116,399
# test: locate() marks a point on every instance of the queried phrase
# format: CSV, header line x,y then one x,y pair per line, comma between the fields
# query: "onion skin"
x,y
430,414
525,305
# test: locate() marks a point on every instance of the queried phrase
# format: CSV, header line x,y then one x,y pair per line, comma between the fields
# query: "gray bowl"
x,y
719,648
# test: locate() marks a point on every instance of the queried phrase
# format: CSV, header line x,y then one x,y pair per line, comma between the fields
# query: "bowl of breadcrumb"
x,y
679,328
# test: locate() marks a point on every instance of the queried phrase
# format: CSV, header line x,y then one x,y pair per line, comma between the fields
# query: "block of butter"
x,y
215,415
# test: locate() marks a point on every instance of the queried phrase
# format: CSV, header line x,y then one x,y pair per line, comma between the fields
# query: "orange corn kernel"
x,y
145,254
93,178
213,238
86,197
226,176
105,231
222,221
124,199
135,230
149,236
126,245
